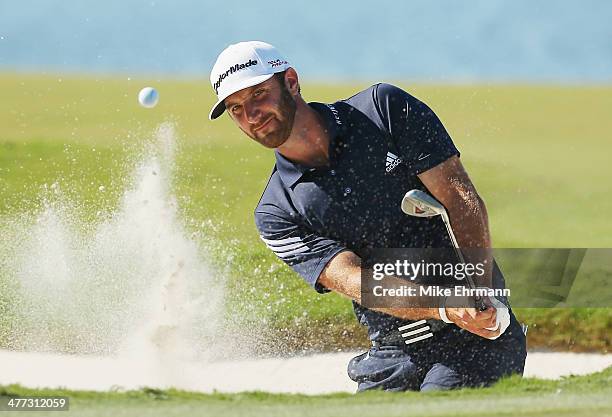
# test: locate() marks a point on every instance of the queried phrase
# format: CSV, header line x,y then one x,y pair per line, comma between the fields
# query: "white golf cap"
x,y
243,65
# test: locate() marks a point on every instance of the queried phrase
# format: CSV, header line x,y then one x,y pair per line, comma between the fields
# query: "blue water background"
x,y
437,41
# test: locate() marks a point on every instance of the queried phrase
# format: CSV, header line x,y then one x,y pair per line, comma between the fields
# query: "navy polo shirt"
x,y
380,140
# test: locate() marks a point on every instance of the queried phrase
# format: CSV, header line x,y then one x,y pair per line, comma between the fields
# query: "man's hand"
x,y
490,323
474,321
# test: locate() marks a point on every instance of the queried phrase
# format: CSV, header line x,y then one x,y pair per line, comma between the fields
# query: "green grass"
x,y
528,148
572,396
535,154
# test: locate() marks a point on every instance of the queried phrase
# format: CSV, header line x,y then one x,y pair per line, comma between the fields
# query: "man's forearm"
x,y
343,275
470,224
410,308
450,184
410,313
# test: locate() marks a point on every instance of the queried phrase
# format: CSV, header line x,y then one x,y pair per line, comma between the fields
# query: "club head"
x,y
420,204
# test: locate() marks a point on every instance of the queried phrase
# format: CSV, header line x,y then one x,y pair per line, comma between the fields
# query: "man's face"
x,y
264,112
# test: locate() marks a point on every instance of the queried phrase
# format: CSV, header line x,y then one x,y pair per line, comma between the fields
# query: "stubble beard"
x,y
287,108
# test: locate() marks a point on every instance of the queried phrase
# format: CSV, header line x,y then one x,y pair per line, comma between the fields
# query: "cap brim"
x,y
219,107
217,110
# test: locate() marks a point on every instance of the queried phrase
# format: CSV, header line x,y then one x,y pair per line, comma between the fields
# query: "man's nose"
x,y
252,113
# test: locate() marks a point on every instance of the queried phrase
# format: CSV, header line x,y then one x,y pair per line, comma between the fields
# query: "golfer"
x,y
341,171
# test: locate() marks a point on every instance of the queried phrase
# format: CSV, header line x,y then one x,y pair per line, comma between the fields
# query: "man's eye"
x,y
235,109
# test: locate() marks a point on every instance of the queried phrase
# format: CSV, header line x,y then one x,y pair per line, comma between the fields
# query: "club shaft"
x,y
479,303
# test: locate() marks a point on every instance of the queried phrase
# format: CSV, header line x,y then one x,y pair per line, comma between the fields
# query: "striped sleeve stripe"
x,y
281,242
284,248
283,255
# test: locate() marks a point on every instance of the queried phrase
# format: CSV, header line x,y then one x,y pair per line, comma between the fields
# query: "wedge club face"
x,y
420,204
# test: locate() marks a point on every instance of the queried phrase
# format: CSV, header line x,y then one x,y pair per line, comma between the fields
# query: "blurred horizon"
x,y
432,42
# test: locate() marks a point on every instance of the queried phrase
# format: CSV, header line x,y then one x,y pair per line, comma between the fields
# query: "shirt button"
x,y
347,190
332,172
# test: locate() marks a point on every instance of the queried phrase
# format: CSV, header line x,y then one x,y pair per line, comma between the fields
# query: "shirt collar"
x,y
291,172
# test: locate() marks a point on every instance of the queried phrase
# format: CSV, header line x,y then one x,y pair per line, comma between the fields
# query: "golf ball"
x,y
148,97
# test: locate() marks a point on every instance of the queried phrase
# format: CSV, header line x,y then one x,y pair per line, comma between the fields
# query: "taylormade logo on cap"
x,y
243,65
232,69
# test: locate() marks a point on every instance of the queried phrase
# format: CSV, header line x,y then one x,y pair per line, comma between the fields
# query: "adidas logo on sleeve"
x,y
392,161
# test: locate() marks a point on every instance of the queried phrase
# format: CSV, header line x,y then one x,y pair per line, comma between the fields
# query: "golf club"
x,y
420,204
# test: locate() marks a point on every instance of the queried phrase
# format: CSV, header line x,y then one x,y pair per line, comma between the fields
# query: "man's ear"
x,y
291,81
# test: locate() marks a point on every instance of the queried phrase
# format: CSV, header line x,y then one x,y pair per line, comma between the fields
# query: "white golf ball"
x,y
148,97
